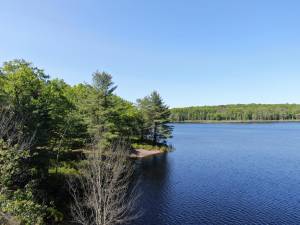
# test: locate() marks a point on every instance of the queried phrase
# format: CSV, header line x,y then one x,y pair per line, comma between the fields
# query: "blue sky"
x,y
193,52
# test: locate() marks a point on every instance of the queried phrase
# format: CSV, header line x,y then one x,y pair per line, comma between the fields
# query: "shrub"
x,y
162,147
20,204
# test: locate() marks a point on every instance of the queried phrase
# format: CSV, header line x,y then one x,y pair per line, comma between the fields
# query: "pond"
x,y
224,174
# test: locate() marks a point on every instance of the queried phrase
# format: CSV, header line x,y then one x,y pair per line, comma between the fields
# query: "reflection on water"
x,y
224,174
154,176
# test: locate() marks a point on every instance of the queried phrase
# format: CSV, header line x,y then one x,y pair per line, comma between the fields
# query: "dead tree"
x,y
103,192
11,129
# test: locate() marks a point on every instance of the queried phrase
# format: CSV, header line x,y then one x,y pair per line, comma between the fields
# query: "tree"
x,y
23,86
103,193
17,172
67,130
40,109
102,107
103,111
42,121
104,86
243,112
156,118
3,96
128,119
83,97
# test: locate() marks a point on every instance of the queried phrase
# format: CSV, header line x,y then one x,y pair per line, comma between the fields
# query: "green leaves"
x,y
21,204
14,167
239,112
156,118
60,118
102,82
24,87
16,185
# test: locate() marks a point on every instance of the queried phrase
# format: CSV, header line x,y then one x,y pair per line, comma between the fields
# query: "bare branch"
x,y
103,193
10,129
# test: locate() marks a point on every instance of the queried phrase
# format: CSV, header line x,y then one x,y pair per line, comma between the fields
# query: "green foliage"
x,y
250,112
14,167
156,118
20,203
54,214
82,97
24,86
103,84
17,183
65,170
106,114
103,112
127,119
3,96
62,120
43,105
163,148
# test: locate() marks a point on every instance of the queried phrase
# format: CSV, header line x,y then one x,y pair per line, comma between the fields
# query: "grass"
x,y
65,168
161,147
63,171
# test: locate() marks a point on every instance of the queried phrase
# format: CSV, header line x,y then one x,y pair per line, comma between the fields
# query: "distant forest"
x,y
240,112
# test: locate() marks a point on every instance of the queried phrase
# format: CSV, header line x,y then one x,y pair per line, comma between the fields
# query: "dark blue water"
x,y
225,174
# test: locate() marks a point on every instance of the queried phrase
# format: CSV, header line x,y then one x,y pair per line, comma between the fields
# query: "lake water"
x,y
225,174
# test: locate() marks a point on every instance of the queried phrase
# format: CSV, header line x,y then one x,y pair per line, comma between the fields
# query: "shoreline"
x,y
142,153
235,121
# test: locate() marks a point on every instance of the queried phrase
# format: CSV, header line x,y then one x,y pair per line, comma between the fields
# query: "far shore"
x,y
142,153
237,121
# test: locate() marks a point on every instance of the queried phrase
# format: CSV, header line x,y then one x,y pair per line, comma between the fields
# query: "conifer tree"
x,y
103,107
156,116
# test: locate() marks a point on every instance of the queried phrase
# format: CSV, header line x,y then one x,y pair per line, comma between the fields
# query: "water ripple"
x,y
224,174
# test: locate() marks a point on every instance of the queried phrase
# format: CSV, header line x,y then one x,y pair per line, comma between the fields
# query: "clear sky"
x,y
201,52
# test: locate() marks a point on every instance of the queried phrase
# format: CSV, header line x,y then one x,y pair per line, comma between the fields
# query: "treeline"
x,y
239,112
46,122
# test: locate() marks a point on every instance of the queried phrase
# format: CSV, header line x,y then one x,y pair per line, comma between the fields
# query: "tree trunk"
x,y
155,134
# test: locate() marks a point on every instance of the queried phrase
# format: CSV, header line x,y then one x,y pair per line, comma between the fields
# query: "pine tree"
x,y
103,107
156,118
